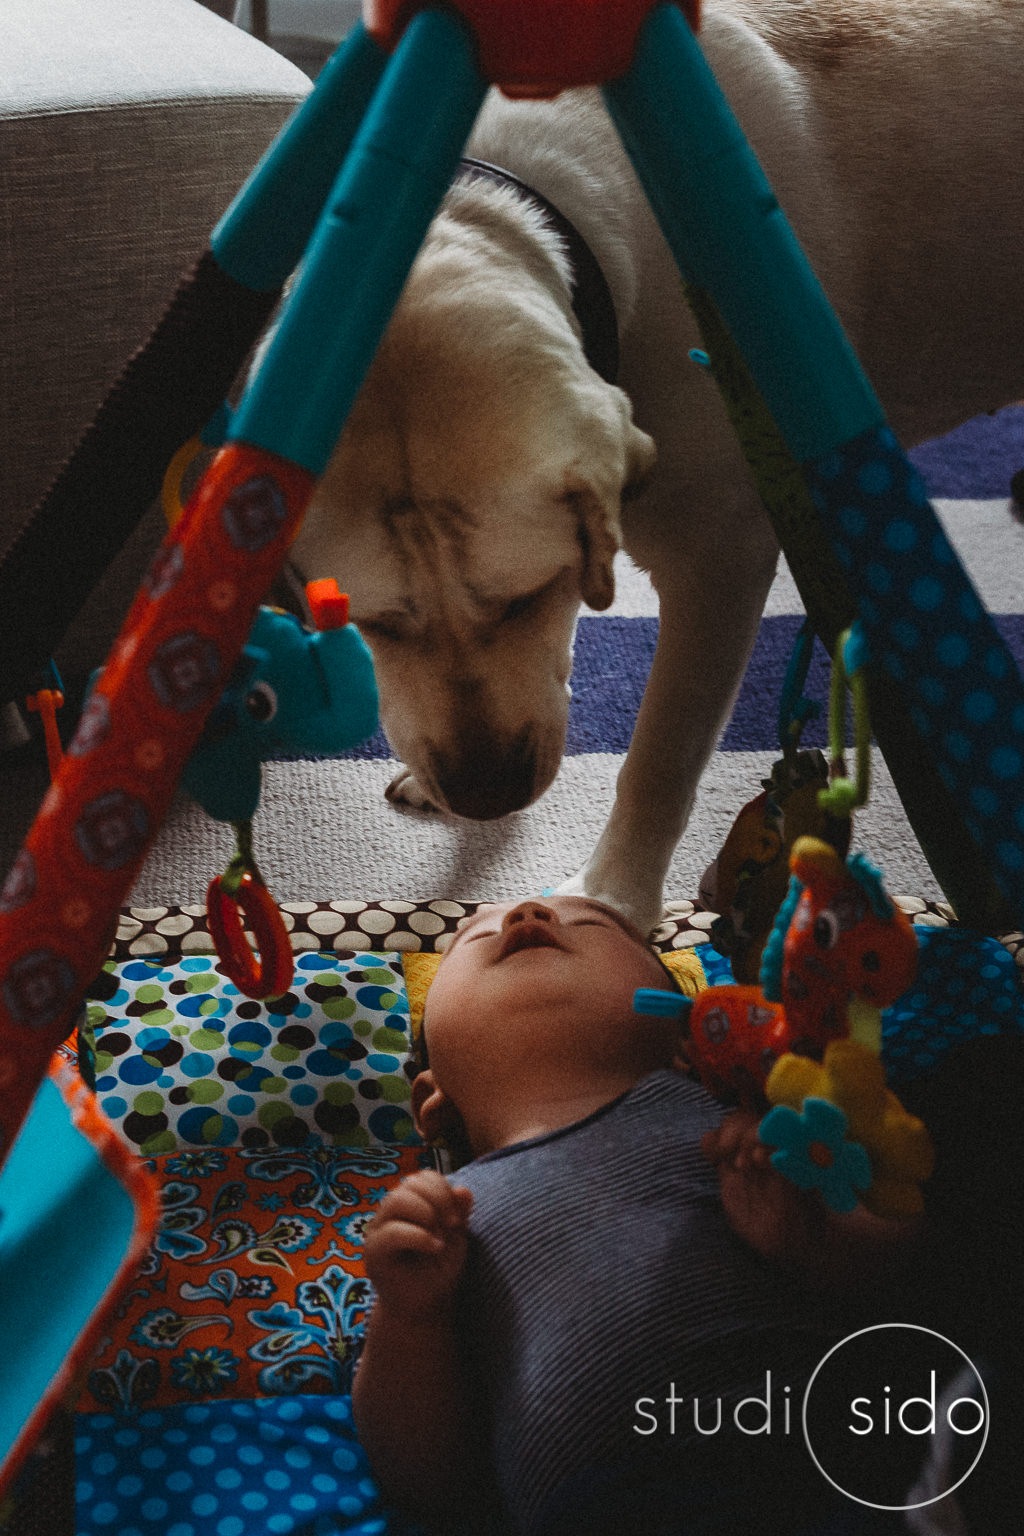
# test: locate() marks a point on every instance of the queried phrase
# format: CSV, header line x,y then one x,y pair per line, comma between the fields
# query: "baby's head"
x,y
532,1009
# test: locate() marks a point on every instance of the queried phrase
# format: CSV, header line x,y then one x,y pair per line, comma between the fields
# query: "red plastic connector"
x,y
269,975
328,606
536,48
45,703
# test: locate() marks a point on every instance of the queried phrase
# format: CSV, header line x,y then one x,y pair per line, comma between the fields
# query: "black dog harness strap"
x,y
591,297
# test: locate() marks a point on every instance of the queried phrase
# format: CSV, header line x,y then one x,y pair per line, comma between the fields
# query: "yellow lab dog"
x,y
488,474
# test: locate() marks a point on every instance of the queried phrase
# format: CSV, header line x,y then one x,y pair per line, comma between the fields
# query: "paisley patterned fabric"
x,y
255,1284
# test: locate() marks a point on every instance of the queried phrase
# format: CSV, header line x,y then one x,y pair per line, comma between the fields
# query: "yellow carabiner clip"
x,y
170,490
849,666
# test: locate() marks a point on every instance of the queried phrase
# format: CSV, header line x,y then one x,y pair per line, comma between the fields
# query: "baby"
x,y
566,1329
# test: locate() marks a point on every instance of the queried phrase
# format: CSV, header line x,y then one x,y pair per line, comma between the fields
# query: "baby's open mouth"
x,y
528,936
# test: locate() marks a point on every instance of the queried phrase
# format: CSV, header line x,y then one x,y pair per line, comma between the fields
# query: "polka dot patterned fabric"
x,y
406,925
351,925
185,1061
929,632
965,986
262,1468
182,1059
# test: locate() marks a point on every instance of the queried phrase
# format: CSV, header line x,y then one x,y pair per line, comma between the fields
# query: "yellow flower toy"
x,y
852,1078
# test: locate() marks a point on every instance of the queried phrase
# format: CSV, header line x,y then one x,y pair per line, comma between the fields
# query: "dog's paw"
x,y
574,886
406,792
641,907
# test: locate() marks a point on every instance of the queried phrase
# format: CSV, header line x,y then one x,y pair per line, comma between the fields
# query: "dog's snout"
x,y
488,779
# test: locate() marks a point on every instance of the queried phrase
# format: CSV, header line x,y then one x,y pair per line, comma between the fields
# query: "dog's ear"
x,y
600,537
641,455
618,459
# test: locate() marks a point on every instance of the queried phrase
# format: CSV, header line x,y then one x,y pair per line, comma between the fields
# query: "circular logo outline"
x,y
922,1503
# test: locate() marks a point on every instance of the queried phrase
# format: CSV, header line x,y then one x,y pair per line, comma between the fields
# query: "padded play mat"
x,y
217,1404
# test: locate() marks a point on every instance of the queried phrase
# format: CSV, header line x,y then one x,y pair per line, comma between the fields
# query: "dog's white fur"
x,y
475,496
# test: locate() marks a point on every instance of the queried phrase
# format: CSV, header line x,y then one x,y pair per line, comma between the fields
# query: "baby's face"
x,y
554,976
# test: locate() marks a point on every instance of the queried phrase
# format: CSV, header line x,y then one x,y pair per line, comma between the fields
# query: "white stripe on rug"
x,y
324,831
986,535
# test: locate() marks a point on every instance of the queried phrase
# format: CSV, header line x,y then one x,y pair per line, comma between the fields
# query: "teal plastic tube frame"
x,y
730,237
66,1223
397,171
260,239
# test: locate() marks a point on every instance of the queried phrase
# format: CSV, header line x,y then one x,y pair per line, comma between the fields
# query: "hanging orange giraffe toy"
x,y
807,1039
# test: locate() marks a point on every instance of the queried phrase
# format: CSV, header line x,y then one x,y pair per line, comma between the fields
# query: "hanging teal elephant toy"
x,y
294,690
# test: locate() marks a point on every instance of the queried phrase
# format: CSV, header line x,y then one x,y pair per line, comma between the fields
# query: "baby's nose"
x,y
529,912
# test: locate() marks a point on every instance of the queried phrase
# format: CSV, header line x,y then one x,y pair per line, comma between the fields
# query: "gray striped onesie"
x,y
602,1282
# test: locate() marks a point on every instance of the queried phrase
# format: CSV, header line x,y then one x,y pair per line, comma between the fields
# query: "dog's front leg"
x,y
706,632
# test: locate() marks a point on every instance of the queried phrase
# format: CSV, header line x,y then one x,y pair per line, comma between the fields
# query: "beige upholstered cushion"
x,y
126,126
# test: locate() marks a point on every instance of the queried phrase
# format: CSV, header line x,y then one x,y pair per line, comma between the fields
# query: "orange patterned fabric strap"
x,y
168,667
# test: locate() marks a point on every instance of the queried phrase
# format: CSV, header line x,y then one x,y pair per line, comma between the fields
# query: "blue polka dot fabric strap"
x,y
930,634
267,1467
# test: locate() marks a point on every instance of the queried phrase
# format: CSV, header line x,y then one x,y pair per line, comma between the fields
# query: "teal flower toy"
x,y
813,1151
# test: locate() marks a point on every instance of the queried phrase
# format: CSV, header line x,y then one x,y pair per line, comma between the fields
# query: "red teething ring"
x,y
273,974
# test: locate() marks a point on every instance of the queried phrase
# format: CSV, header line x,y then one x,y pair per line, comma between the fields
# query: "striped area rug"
x,y
324,830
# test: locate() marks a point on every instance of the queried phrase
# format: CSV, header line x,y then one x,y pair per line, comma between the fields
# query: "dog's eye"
x,y
519,607
379,629
523,607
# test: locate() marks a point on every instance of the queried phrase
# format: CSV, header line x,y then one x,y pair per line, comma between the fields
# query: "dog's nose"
x,y
486,780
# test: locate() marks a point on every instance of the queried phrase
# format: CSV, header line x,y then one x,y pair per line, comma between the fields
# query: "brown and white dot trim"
x,y
418,925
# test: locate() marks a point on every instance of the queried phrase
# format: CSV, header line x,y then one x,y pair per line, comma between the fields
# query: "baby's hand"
x,y
767,1210
415,1246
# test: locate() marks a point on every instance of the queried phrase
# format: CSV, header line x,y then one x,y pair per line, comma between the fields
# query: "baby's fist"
x,y
778,1220
415,1246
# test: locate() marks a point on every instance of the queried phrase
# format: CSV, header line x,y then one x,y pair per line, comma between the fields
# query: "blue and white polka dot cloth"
x,y
929,632
268,1467
966,985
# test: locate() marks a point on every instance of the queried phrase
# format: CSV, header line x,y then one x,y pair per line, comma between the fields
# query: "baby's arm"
x,y
845,1254
408,1399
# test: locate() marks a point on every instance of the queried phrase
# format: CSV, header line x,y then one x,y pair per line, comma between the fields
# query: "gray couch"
x,y
125,128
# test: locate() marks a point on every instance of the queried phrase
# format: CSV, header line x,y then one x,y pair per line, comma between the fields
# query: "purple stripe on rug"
x,y
754,723
976,460
613,658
